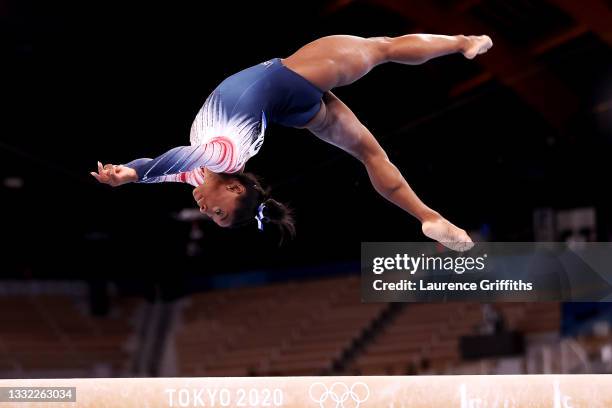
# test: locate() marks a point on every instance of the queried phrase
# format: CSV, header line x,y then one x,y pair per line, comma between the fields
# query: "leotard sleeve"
x,y
183,164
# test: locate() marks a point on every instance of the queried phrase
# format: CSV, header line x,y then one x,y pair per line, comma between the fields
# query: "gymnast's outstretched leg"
x,y
340,60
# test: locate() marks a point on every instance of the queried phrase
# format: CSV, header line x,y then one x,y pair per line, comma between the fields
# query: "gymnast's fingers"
x,y
102,177
96,176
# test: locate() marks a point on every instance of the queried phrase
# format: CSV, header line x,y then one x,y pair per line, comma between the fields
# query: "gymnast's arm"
x,y
182,164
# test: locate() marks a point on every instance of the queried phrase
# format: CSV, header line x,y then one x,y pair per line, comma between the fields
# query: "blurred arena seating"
x,y
297,328
302,327
424,338
419,334
321,327
54,335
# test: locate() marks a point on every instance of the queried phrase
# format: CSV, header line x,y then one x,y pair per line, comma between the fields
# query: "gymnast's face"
x,y
218,199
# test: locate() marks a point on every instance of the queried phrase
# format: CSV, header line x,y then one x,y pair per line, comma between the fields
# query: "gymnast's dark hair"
x,y
275,214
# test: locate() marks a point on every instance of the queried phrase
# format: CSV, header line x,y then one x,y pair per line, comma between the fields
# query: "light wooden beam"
x,y
534,391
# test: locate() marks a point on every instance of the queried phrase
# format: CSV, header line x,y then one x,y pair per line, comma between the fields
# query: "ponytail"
x,y
273,212
256,205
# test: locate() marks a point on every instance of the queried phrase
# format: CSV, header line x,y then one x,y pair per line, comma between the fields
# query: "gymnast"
x,y
296,92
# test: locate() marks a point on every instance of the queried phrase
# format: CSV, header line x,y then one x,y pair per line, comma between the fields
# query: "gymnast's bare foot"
x,y
476,44
441,230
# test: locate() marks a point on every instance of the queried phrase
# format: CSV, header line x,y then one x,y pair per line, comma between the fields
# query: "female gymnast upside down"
x,y
295,91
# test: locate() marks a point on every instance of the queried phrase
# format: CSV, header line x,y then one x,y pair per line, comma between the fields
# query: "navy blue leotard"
x,y
229,128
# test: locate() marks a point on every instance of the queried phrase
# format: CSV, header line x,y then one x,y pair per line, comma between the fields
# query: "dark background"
x,y
484,142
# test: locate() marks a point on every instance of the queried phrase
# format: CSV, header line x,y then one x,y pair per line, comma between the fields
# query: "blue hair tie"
x,y
260,217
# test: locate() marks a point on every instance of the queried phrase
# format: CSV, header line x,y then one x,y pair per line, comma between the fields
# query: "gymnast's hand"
x,y
114,175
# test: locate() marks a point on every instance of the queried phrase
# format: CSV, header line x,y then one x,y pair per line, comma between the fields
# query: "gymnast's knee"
x,y
381,47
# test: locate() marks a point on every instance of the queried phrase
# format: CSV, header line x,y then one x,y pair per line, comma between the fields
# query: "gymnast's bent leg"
x,y
337,124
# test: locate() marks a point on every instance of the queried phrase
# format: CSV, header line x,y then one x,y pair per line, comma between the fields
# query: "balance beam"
x,y
513,391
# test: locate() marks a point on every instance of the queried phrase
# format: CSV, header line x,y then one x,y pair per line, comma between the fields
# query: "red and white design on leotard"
x,y
220,142
218,155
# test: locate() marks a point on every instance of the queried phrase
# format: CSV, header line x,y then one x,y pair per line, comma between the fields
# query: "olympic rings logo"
x,y
339,393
